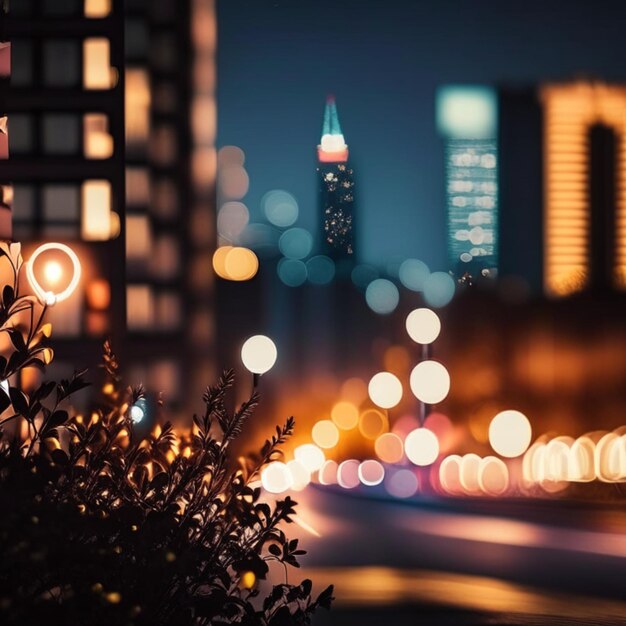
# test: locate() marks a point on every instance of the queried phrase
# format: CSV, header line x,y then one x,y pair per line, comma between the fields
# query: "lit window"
x,y
139,307
96,210
97,142
137,107
97,70
137,186
97,8
138,237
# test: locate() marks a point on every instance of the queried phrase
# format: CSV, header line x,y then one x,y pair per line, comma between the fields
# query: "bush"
x,y
99,525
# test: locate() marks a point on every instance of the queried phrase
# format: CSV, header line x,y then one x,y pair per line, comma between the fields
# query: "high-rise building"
x,y
584,174
467,118
107,133
336,180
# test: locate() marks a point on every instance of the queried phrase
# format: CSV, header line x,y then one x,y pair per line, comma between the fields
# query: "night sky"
x,y
383,60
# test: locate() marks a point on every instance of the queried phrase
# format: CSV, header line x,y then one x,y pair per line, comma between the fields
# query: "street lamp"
x,y
258,354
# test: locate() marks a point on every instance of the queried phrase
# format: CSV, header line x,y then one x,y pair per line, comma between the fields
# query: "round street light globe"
x,y
385,390
430,382
259,354
510,433
423,326
421,447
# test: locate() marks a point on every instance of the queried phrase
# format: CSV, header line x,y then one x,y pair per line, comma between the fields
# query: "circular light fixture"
x,y
385,390
259,354
52,273
510,433
421,447
430,382
423,326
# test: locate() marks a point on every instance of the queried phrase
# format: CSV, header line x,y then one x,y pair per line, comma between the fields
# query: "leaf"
x,y
17,339
19,401
58,418
5,401
326,597
59,457
274,549
8,296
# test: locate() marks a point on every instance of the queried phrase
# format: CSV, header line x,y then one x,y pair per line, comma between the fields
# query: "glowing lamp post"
x,y
423,327
258,354
52,274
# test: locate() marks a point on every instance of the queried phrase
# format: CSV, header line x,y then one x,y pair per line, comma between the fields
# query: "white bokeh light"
x,y
510,433
371,472
276,477
423,325
310,456
259,354
385,390
421,447
430,382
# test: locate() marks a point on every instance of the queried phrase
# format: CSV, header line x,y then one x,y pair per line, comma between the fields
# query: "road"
x,y
437,561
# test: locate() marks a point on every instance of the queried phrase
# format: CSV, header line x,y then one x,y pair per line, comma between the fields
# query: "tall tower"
x,y
336,187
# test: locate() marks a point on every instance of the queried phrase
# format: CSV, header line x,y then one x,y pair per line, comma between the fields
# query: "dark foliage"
x,y
101,526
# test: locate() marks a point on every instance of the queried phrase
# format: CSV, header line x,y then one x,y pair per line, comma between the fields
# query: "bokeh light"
x,y
423,326
389,448
259,354
382,296
310,455
468,473
363,275
138,411
328,473
510,433
261,238
296,243
398,360
441,425
276,477
345,414
300,475
232,218
371,472
233,182
404,425
438,289
280,208
430,382
320,269
421,447
325,434
401,483
230,155
372,424
241,264
413,274
219,261
292,272
493,476
450,475
385,390
354,390
348,474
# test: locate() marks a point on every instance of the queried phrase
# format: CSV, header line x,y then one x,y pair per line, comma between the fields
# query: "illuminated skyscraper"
x,y
467,118
336,187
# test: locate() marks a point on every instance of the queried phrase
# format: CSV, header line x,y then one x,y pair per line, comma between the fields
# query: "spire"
x,y
330,101
332,147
